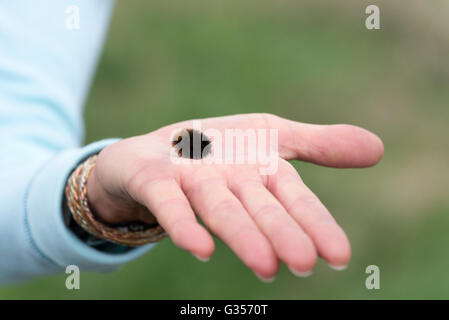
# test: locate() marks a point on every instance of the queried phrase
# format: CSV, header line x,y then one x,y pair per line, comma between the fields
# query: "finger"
x,y
291,243
337,145
225,216
165,199
304,206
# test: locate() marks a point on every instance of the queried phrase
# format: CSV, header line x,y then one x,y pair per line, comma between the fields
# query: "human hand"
x,y
264,219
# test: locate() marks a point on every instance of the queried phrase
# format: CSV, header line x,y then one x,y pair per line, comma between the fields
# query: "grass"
x,y
166,61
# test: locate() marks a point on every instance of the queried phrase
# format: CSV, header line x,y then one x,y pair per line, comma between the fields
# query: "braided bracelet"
x,y
77,202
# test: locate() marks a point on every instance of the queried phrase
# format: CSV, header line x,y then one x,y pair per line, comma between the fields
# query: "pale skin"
x,y
264,219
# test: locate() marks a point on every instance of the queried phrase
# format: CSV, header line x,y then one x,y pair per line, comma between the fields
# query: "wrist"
x,y
114,209
103,204
107,223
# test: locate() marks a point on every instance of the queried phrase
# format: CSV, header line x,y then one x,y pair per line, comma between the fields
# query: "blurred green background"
x,y
311,61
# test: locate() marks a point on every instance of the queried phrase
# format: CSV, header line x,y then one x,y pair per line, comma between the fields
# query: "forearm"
x,y
33,237
45,72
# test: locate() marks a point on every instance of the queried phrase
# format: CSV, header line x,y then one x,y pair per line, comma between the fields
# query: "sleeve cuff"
x,y
44,218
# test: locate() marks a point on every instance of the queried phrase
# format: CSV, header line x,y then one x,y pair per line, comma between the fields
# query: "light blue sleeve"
x,y
45,72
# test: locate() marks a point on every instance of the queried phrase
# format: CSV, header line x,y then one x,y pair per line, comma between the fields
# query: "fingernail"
x,y
301,274
338,268
264,279
202,259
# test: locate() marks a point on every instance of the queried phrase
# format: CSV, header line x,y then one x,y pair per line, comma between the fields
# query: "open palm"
x,y
263,218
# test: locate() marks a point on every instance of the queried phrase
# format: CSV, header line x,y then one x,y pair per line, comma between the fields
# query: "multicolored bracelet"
x,y
130,234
